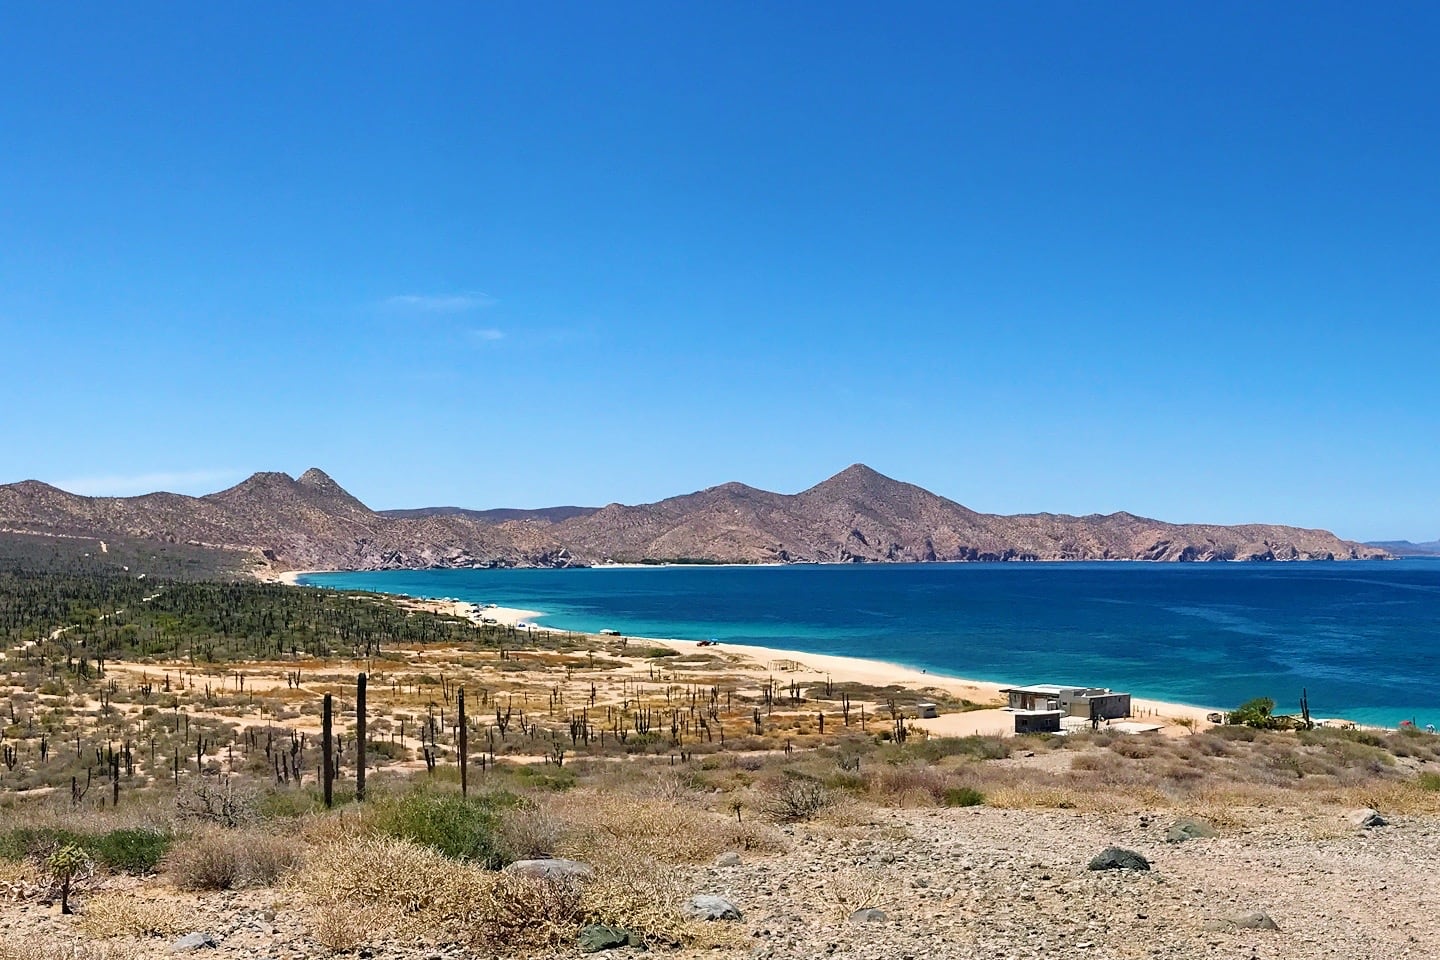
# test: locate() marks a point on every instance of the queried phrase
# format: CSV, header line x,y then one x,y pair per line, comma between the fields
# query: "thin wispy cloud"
x,y
440,302
486,336
128,485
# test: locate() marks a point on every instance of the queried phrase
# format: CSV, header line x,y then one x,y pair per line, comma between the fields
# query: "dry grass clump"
x,y
911,784
643,897
517,914
848,889
43,947
382,888
532,831
408,885
230,859
1408,797
123,915
601,827
795,797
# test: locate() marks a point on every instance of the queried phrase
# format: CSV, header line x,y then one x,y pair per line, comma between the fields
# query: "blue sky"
x,y
1178,259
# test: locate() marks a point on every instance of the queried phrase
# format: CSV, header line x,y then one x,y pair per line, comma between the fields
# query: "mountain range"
x,y
1407,548
858,515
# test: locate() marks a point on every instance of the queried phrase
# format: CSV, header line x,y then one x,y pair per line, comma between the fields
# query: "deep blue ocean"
x,y
1362,637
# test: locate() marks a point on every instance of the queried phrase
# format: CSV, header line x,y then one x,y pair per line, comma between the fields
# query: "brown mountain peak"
x,y
315,477
260,483
862,482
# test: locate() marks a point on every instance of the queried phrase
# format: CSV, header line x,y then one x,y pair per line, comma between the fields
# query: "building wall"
x,y
1037,723
1110,706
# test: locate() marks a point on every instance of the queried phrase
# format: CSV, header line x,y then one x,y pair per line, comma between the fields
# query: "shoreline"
x,y
839,667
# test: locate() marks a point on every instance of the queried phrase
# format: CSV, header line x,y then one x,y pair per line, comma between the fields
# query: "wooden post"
x,y
327,750
360,738
464,745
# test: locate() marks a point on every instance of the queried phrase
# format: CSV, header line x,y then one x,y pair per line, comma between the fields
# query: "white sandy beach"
x,y
814,667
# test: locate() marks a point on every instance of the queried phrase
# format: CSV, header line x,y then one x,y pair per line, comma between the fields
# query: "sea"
x,y
1360,638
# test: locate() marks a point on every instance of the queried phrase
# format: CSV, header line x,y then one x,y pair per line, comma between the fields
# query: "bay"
x,y
1361,637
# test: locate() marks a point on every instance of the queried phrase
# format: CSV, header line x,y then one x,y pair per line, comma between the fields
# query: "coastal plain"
x,y
795,799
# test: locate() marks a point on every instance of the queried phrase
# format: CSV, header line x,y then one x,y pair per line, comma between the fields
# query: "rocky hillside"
x,y
857,515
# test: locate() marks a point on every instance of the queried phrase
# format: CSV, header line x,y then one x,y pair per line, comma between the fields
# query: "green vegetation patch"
x,y
459,827
136,851
962,797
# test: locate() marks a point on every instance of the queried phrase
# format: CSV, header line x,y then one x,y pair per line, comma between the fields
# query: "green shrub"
x,y
545,777
459,828
129,851
1258,713
36,842
1430,781
963,797
289,804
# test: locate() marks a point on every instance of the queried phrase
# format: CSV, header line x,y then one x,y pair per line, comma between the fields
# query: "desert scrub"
x,y
230,859
458,827
908,784
962,797
795,797
599,827
122,915
387,888
848,889
975,747
379,889
643,897
45,947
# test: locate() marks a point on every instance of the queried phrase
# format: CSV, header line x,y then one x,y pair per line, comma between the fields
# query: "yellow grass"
x,y
108,916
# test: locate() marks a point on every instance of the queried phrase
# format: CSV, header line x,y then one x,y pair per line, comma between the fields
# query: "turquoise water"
x,y
1361,636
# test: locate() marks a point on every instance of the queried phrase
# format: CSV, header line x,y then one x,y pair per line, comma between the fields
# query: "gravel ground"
x,y
985,883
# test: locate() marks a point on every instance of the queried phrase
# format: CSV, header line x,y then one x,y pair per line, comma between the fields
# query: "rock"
x,y
1365,817
194,941
1259,920
868,915
597,937
1117,858
553,868
730,859
705,906
1188,828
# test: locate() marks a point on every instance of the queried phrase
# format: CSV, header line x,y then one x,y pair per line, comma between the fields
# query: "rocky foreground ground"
x,y
963,883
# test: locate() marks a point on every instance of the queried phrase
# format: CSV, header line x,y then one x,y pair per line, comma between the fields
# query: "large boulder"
x,y
1259,920
597,937
194,941
1188,828
1365,817
706,906
552,868
1118,858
